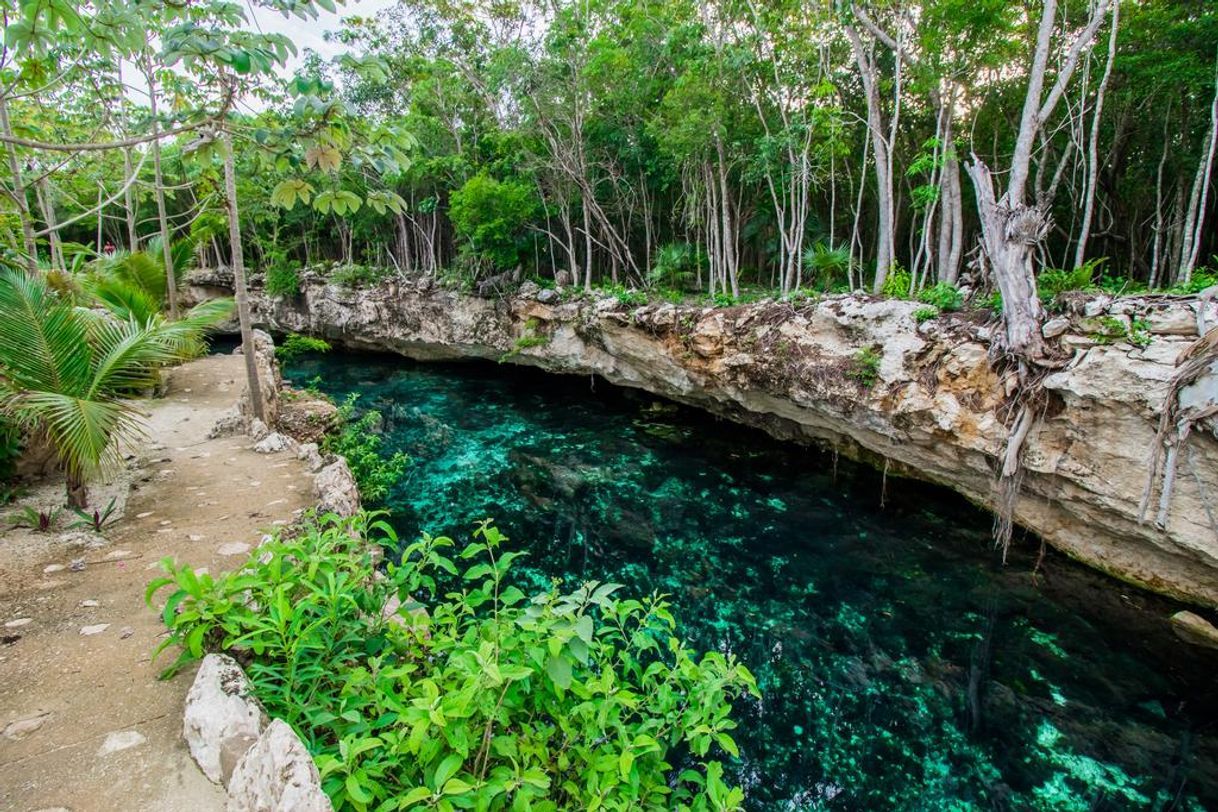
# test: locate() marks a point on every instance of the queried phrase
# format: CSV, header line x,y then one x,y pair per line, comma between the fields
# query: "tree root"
x,y
1176,424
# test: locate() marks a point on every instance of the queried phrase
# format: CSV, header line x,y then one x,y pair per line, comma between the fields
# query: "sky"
x,y
311,33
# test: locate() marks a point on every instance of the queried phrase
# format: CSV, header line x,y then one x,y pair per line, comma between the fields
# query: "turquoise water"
x,y
901,666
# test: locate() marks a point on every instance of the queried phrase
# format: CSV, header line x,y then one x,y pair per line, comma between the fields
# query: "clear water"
x,y
902,667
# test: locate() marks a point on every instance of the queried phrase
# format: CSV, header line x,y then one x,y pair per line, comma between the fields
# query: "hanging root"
x,y
1026,404
1176,424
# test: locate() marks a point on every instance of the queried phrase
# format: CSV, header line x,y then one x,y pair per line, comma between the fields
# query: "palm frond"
x,y
125,299
42,344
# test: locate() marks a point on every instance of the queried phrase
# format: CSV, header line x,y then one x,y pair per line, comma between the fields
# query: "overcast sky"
x,y
311,33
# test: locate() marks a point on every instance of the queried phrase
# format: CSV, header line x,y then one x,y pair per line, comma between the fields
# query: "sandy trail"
x,y
85,723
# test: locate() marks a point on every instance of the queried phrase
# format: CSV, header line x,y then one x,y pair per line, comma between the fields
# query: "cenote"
x,y
902,666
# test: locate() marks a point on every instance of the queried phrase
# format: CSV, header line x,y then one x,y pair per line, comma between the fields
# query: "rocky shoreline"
x,y
863,377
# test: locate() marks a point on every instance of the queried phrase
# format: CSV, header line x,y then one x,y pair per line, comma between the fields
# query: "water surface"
x,y
901,666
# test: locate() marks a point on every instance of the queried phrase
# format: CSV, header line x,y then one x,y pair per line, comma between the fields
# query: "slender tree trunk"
x,y
133,240
19,197
171,281
42,191
1199,201
1080,250
869,73
1156,254
242,294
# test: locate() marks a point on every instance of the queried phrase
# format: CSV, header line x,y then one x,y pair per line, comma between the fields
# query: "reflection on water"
x,y
901,667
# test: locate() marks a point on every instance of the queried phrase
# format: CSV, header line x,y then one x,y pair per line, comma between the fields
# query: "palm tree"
x,y
68,372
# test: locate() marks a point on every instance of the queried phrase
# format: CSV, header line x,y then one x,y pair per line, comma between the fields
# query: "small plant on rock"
x,y
865,367
944,296
361,443
296,345
925,314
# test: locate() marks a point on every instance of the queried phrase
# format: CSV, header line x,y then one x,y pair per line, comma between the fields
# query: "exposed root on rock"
x,y
1192,397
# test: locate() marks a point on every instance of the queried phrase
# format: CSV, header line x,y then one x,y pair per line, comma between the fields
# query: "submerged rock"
x,y
1194,629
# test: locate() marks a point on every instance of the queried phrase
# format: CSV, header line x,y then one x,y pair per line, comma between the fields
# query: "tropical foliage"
x,y
464,692
69,372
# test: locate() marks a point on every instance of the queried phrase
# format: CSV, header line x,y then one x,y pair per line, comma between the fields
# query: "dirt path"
x,y
84,722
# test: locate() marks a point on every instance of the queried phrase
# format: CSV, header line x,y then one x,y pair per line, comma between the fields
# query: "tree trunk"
x,y
1200,198
242,295
78,493
1010,235
869,73
133,240
19,198
171,282
1093,169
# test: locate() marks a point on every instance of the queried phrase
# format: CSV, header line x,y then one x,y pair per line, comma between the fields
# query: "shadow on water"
x,y
902,666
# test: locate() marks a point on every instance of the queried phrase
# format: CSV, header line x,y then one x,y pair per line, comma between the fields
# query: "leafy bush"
x,y
296,345
282,279
865,367
11,444
828,266
355,276
477,698
360,442
723,300
1053,281
925,314
944,295
1200,281
897,284
675,265
490,218
627,297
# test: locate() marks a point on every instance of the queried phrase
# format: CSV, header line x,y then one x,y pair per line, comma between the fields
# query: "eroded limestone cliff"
x,y
861,376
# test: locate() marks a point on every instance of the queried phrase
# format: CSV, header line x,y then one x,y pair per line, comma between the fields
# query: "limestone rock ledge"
x,y
861,376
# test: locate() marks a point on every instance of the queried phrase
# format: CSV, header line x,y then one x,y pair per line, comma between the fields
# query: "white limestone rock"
x,y
222,718
311,454
336,489
273,443
277,774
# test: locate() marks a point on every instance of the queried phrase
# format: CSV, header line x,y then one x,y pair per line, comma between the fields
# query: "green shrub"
x,y
479,697
626,296
1053,281
1200,281
723,300
491,217
11,444
865,367
282,279
675,265
897,284
827,266
296,345
925,314
944,295
360,442
355,276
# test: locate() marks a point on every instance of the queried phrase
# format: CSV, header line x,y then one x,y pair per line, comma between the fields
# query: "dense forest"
x,y
721,147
